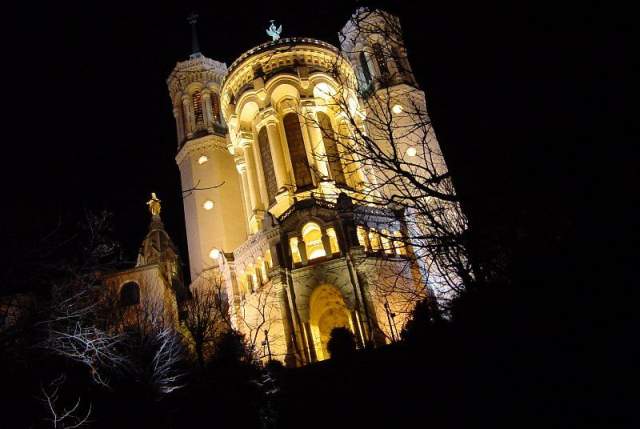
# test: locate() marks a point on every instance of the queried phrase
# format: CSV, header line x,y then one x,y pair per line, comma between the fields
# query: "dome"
x,y
281,56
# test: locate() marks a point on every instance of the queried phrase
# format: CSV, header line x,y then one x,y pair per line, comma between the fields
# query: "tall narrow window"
x,y
267,164
301,170
386,243
378,53
312,237
333,240
399,244
366,73
362,234
331,146
295,252
196,99
374,240
215,107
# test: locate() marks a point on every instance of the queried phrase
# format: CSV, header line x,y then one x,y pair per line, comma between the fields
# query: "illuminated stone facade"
x,y
148,295
269,209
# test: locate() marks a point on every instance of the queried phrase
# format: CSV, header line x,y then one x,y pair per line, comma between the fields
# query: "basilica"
x,y
275,208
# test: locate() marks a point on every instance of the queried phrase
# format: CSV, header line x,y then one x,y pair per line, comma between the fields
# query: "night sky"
x,y
87,118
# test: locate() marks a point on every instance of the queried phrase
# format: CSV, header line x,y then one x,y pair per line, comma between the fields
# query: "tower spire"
x,y
195,45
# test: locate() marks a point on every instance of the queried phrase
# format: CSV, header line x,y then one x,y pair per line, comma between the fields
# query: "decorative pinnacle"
x,y
195,45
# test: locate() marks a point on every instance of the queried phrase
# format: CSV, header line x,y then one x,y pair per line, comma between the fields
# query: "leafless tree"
x,y
387,149
256,313
207,316
60,416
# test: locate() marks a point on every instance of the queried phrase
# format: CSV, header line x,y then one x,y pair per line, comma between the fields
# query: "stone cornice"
x,y
200,144
199,69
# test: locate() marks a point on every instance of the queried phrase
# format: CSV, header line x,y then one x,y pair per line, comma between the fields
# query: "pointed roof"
x,y
157,245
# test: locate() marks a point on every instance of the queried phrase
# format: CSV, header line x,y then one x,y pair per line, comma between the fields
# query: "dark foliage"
x,y
342,343
423,324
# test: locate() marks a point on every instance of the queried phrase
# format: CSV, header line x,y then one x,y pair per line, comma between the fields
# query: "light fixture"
x,y
397,108
203,159
411,151
207,205
214,254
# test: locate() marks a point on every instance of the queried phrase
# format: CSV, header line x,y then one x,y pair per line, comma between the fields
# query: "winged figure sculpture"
x,y
273,31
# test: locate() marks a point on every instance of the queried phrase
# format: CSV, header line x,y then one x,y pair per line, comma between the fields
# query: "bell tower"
x,y
210,186
372,39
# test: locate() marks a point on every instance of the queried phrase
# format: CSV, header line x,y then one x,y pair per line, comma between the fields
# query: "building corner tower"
x,y
211,189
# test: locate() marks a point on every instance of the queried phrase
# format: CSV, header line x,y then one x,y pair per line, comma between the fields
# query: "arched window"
x,y
196,99
312,237
378,54
267,164
331,146
399,244
366,73
268,260
262,267
299,161
295,252
386,244
215,107
129,294
374,240
252,280
362,236
333,240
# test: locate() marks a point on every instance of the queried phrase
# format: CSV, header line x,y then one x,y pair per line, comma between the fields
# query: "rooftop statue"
x,y
154,205
273,31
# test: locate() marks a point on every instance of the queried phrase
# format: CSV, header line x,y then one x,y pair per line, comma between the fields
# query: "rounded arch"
x,y
312,237
297,151
193,87
331,146
247,110
282,86
327,310
129,294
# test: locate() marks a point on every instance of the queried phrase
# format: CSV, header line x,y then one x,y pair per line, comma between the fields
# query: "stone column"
x,y
355,167
326,243
241,166
310,342
264,201
276,153
302,250
177,114
188,114
317,143
208,115
252,179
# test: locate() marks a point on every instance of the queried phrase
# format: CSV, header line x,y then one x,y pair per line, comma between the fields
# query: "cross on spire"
x,y
195,45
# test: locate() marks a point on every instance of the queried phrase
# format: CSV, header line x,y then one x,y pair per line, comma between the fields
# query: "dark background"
x,y
517,93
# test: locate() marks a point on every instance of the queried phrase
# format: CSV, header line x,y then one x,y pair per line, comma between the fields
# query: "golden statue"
x,y
154,205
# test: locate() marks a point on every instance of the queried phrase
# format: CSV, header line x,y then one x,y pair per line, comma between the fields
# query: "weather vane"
x,y
273,31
